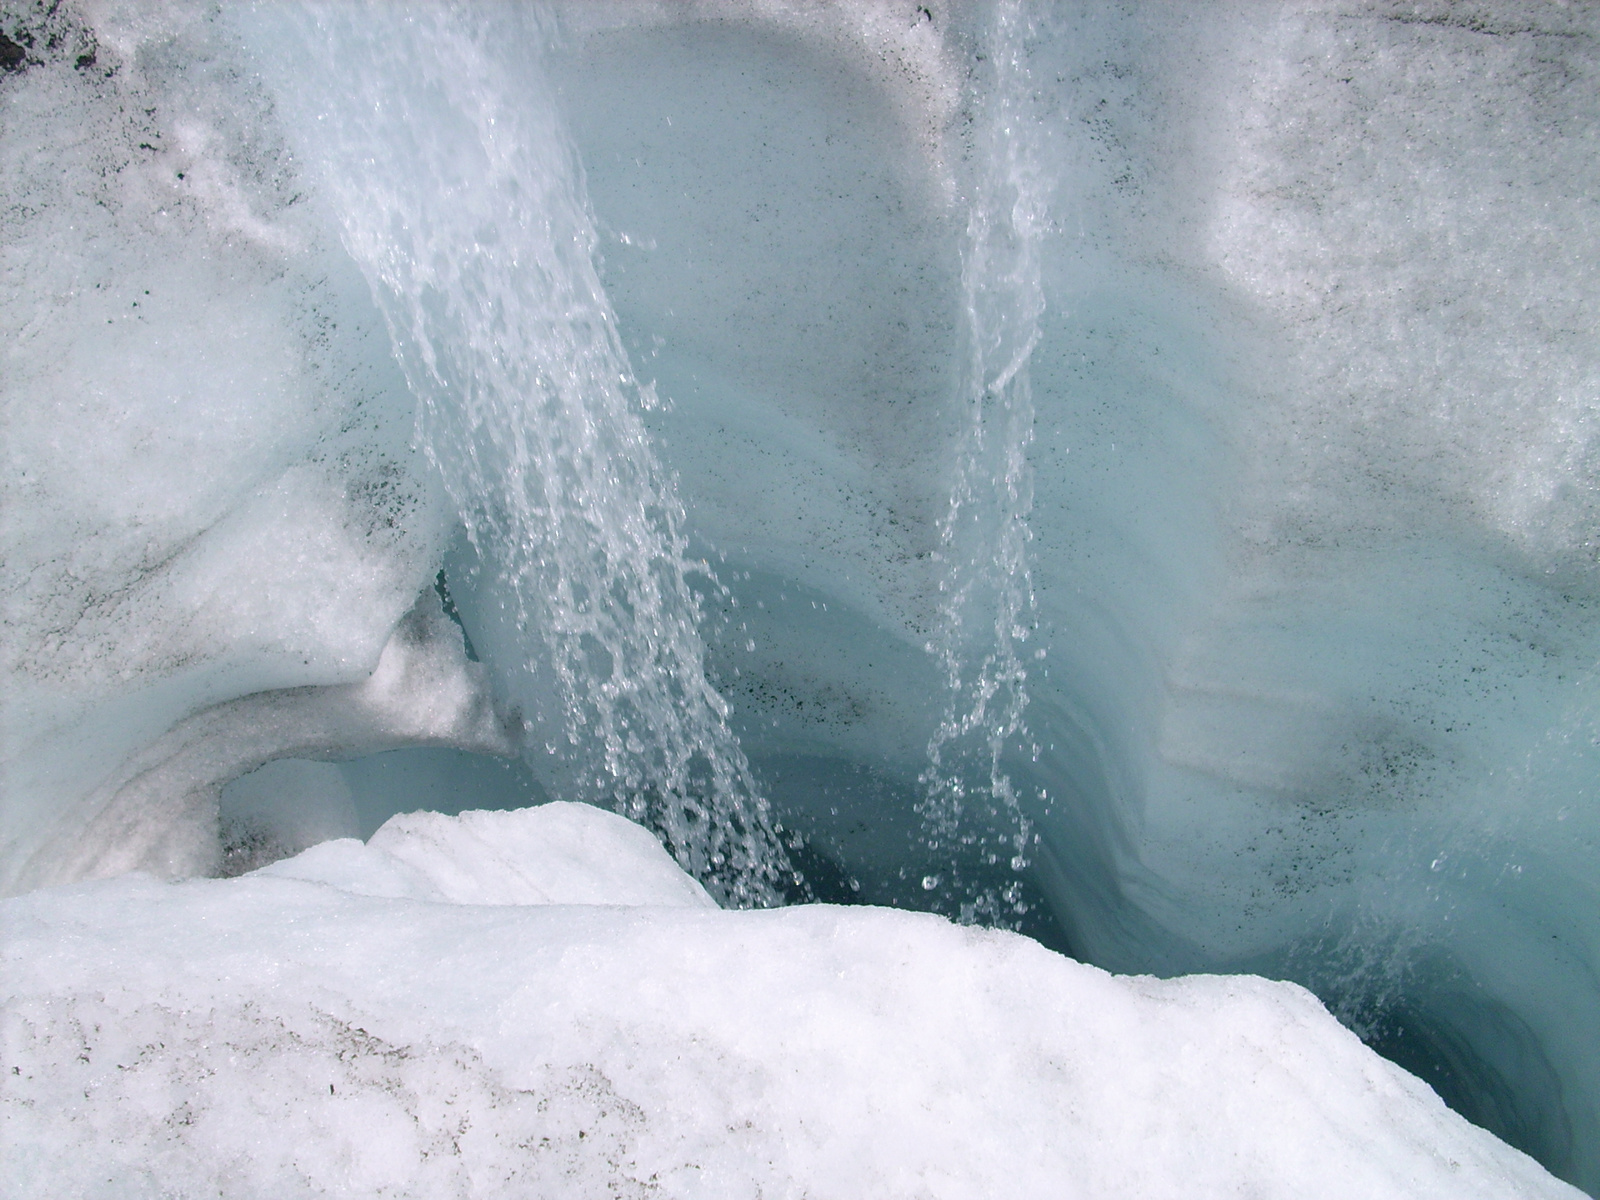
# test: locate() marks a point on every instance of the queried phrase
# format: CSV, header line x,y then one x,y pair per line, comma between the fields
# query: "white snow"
x,y
316,1029
558,853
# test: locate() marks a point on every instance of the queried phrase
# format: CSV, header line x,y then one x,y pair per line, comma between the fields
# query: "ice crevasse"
x,y
1124,474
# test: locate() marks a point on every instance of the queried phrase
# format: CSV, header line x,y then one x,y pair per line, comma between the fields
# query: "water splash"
x,y
970,809
465,205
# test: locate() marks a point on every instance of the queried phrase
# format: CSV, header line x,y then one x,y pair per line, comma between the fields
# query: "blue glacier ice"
x,y
1129,474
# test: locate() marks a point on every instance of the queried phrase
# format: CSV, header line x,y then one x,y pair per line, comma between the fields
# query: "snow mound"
x,y
276,1036
558,853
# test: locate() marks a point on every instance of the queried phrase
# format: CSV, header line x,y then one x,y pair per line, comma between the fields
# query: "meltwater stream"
x,y
987,604
461,197
463,203
1124,473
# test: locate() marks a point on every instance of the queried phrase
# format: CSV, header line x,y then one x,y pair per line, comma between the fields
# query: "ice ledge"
x,y
291,1032
158,812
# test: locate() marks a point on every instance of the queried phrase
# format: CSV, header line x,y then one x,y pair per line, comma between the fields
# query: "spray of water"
x,y
464,203
970,810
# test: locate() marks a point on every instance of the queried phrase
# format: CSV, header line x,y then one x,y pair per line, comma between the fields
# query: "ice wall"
x,y
1153,445
1312,465
210,488
1369,720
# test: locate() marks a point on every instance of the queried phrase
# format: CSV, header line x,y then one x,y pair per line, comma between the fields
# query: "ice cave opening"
x,y
1126,474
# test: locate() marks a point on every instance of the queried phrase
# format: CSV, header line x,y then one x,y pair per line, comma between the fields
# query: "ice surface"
x,y
159,810
315,1028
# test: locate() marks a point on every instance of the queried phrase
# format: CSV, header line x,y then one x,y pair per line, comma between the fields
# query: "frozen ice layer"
x,y
163,808
280,809
210,492
318,1028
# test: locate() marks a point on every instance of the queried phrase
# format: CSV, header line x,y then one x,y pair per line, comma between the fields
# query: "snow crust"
x,y
317,1028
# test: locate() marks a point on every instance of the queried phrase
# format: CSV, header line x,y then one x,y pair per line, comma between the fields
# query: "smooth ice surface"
x,y
281,808
312,1029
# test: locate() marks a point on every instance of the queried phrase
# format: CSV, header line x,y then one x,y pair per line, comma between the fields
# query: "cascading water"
x,y
464,205
987,604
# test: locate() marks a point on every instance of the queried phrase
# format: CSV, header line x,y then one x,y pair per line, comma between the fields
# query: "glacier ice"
x,y
1128,473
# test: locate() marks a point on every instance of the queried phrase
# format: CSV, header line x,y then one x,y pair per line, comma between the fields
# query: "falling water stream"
x,y
463,201
464,204
987,604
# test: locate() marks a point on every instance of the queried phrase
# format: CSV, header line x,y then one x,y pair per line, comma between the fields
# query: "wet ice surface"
x,y
590,1025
